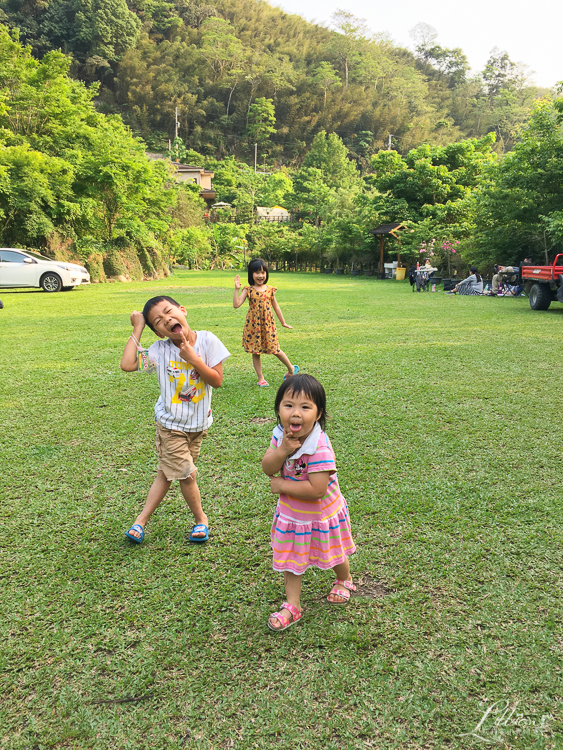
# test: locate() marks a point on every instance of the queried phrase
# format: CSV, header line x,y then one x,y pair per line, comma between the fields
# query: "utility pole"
x,y
176,124
255,156
390,143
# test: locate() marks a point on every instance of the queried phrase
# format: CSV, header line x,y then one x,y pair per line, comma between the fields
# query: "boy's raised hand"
x,y
187,352
237,281
137,320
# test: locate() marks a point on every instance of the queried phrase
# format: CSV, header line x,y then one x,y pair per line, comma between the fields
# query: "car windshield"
x,y
37,255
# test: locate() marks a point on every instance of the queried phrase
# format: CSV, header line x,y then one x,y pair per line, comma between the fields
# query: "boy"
x,y
189,365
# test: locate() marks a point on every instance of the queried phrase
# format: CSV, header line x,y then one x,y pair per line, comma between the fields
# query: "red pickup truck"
x,y
544,284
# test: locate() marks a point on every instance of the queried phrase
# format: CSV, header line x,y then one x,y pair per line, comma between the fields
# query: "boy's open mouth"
x,y
177,328
295,427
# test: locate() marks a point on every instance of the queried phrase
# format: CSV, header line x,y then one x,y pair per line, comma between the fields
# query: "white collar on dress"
x,y
310,444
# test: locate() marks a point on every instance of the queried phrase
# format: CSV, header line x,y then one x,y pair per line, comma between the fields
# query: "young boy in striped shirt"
x,y
188,364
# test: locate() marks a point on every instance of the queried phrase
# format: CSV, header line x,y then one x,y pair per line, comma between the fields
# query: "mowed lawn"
x,y
446,416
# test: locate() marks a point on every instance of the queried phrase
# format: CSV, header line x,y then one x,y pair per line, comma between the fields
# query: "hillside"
x,y
229,67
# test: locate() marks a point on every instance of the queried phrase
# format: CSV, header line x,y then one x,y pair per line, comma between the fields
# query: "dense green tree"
x,y
432,190
519,210
220,47
450,65
325,78
103,28
312,198
329,155
347,43
212,62
36,195
191,246
68,171
430,176
276,190
261,120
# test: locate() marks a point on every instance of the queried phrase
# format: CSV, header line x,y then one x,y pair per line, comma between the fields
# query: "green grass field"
x,y
446,421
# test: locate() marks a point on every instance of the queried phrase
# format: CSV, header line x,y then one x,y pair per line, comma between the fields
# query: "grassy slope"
x,y
446,420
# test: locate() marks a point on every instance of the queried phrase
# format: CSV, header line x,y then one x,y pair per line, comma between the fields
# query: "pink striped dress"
x,y
309,533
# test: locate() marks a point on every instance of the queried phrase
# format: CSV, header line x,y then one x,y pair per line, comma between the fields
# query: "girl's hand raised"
x,y
289,444
237,281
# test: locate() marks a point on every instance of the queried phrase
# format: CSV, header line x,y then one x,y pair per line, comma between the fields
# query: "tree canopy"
x,y
215,62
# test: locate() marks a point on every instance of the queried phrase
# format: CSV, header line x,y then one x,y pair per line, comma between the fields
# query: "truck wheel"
x,y
540,297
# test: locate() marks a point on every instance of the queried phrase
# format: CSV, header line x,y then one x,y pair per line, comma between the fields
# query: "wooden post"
x,y
380,253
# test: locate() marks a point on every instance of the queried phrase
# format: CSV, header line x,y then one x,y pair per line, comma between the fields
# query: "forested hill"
x,y
241,72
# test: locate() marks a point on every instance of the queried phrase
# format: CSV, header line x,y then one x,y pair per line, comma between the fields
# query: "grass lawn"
x,y
446,417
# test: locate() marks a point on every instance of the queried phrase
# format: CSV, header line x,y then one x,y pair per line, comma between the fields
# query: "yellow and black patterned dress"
x,y
259,335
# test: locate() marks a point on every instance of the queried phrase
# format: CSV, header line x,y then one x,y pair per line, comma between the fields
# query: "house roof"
x,y
269,210
191,168
385,228
188,166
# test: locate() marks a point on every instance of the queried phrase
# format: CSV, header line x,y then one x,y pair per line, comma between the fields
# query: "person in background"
x,y
473,284
260,335
504,274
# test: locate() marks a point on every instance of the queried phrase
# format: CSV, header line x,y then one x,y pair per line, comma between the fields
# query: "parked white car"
x,y
19,268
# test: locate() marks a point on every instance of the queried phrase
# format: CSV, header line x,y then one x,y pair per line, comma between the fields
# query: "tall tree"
x,y
519,211
261,120
346,45
325,78
329,155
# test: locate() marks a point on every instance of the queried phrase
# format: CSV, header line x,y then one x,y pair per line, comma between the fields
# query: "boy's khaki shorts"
x,y
177,451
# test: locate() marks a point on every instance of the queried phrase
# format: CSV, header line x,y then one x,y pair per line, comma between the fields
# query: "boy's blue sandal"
x,y
136,527
199,527
295,371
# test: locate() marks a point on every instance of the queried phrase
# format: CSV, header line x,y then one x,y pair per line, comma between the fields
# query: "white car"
x,y
19,268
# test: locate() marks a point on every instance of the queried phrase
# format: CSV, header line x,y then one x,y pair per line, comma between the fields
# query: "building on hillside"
x,y
276,213
190,173
201,177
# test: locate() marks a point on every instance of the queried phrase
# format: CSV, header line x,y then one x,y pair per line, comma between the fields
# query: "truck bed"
x,y
542,273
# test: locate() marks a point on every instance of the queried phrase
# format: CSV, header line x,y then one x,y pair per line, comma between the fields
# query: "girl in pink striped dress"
x,y
311,525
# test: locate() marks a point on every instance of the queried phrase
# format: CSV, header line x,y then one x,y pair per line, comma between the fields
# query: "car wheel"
x,y
540,297
51,282
67,288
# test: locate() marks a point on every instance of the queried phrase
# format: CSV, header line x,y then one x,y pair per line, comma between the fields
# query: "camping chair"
x,y
511,282
422,280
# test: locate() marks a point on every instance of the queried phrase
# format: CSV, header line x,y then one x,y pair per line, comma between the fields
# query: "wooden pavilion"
x,y
381,231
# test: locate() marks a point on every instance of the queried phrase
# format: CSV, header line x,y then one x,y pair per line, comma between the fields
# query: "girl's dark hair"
x,y
310,387
475,270
151,303
257,264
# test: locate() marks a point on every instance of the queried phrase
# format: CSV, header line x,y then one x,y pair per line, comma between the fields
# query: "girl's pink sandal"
x,y
263,383
344,594
286,623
